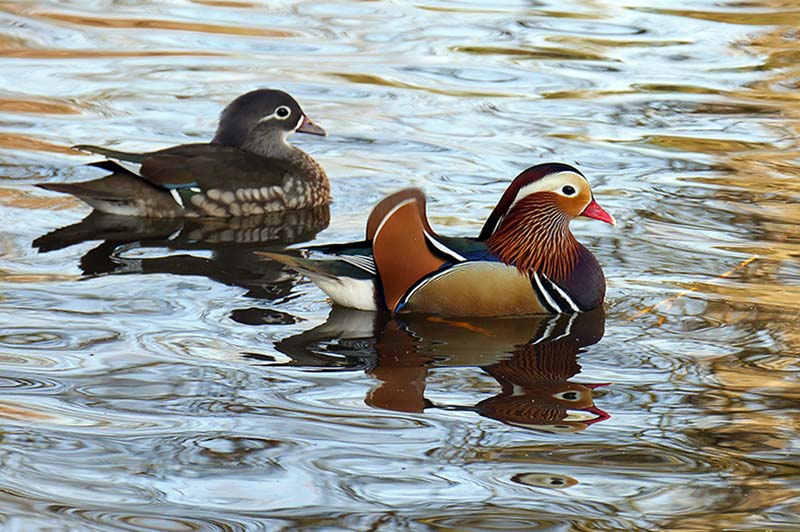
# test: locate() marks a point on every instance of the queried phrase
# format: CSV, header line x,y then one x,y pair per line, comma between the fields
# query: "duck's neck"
x,y
271,144
534,236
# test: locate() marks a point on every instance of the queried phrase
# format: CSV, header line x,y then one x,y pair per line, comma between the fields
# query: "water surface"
x,y
159,376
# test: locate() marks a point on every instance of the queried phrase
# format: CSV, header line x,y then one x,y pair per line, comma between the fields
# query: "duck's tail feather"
x,y
305,266
80,190
348,285
120,193
111,154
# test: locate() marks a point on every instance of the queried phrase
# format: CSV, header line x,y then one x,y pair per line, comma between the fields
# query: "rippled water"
x,y
158,376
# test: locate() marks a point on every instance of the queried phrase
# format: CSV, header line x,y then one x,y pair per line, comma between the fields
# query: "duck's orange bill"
x,y
594,210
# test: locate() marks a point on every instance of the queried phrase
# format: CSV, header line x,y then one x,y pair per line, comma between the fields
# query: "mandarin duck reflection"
x,y
217,248
530,358
248,168
525,260
536,394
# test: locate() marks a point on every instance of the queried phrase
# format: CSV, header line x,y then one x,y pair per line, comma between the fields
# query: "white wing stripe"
x,y
546,295
177,197
444,249
362,262
390,214
563,294
131,167
424,281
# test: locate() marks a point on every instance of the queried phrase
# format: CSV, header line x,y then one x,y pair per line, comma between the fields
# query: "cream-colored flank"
x,y
476,289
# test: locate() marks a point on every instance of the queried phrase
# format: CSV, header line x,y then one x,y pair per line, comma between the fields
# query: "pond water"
x,y
159,376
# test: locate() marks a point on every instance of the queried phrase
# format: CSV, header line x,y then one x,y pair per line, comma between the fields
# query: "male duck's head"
x,y
548,195
529,227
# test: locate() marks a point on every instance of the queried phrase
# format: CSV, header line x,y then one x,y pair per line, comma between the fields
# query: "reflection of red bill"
x,y
601,415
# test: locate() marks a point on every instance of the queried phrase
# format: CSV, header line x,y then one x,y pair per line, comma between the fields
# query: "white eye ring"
x,y
569,395
282,112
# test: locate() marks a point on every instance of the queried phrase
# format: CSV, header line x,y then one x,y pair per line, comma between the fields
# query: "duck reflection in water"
x,y
531,358
133,244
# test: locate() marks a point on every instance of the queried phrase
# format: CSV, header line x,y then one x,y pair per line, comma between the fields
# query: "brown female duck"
x,y
248,168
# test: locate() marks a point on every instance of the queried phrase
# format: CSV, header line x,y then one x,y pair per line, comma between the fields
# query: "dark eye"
x,y
282,112
567,396
568,190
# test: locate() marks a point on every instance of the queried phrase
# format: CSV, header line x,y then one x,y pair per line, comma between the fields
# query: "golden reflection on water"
x,y
747,15
550,54
21,413
11,141
10,105
107,22
369,79
88,54
767,192
21,199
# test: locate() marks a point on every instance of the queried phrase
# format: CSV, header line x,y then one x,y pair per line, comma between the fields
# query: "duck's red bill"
x,y
594,210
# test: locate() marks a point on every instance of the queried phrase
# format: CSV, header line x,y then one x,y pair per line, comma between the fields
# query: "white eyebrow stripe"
x,y
544,184
268,117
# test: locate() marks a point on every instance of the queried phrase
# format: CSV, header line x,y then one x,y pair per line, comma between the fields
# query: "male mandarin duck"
x,y
525,260
247,169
